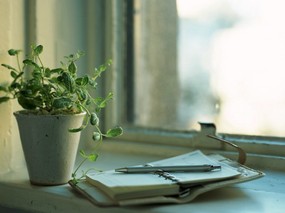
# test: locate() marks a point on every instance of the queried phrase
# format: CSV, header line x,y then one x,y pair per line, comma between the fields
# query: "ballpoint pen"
x,y
178,168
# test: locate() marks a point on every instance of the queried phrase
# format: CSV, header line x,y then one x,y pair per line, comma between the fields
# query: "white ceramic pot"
x,y
49,148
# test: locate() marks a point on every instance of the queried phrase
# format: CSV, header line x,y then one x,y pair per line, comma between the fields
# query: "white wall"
x,y
11,36
61,28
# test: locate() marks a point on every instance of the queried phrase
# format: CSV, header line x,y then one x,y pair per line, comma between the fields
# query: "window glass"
x,y
218,61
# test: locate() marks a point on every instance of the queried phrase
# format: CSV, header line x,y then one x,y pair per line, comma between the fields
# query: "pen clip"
x,y
216,168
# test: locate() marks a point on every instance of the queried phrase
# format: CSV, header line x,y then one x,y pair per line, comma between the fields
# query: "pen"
x,y
178,168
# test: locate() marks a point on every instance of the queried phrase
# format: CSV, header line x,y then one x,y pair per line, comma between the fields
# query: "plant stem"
x,y
85,109
40,61
79,166
42,70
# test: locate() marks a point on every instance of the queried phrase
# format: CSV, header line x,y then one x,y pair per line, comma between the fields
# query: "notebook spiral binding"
x,y
166,175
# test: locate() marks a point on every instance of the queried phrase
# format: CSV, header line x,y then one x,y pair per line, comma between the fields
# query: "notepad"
x,y
119,189
122,186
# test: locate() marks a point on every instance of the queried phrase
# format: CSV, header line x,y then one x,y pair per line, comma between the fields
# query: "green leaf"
x,y
88,101
99,101
109,96
27,103
92,157
37,73
28,62
4,99
14,85
31,63
72,68
47,72
79,54
102,103
102,68
34,84
53,80
13,52
13,74
109,62
94,120
57,70
92,83
67,81
114,132
61,103
47,88
27,92
82,81
38,49
77,129
8,67
96,136
82,94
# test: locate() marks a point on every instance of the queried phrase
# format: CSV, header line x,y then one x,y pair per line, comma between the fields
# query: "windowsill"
x,y
262,195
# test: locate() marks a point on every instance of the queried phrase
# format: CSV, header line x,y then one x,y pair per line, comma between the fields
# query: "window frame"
x,y
118,112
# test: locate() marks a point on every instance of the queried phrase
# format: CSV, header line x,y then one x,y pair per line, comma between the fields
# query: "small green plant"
x,y
43,90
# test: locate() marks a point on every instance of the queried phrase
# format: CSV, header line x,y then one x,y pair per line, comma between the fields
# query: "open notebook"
x,y
114,188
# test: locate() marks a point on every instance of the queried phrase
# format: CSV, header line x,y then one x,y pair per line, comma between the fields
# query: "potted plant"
x,y
58,104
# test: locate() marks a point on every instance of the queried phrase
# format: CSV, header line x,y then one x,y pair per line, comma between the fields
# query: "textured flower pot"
x,y
49,148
